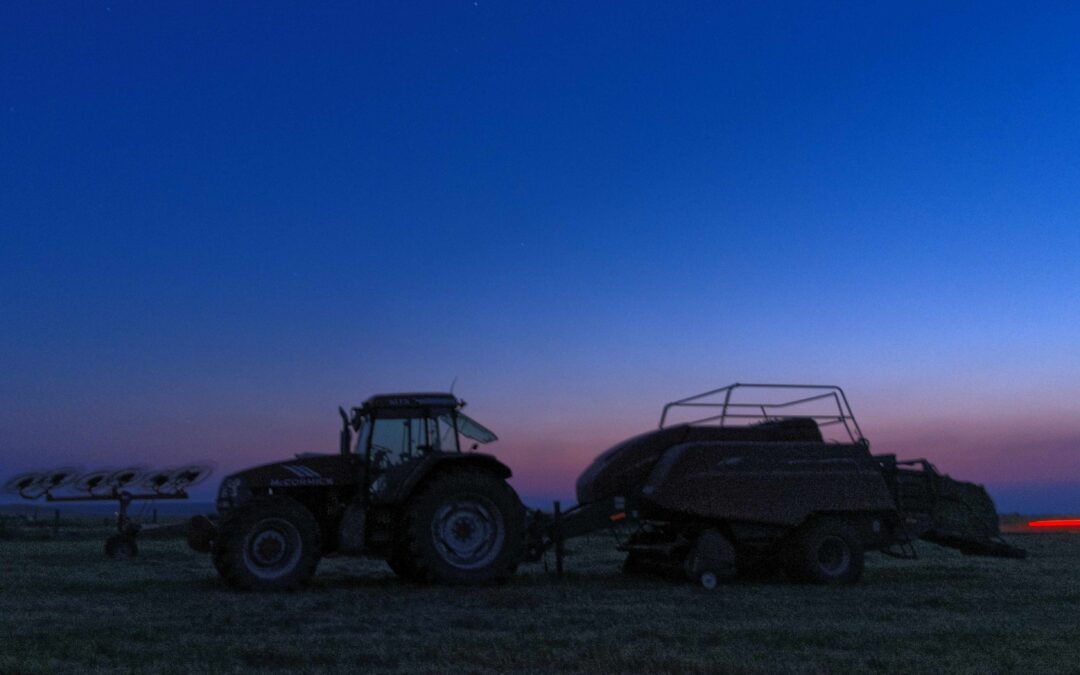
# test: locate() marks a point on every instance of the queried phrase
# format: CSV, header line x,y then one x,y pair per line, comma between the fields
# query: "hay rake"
x,y
122,486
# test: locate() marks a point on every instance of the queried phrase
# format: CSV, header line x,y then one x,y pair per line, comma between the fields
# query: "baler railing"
x,y
833,393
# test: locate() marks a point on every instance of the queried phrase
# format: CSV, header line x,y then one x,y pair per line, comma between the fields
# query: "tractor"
x,y
400,489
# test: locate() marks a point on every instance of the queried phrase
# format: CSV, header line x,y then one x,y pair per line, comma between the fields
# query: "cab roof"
x,y
423,405
414,400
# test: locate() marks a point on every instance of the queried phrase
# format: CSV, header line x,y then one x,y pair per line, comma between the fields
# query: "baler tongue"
x,y
962,516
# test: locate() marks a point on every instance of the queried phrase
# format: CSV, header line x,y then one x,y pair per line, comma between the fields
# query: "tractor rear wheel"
x,y
464,526
271,543
825,552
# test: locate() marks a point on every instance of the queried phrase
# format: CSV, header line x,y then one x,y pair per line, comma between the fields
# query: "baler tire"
x,y
455,503
285,523
825,552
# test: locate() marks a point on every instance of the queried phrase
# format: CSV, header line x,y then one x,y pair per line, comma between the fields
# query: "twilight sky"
x,y
220,221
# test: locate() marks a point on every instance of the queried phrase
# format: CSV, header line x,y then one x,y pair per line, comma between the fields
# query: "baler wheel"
x,y
825,552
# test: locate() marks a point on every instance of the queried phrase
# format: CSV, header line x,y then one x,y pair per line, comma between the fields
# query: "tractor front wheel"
x,y
272,543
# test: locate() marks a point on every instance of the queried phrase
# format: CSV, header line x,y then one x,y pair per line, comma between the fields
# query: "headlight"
x,y
232,493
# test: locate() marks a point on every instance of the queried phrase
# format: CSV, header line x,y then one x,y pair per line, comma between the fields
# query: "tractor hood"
x,y
303,471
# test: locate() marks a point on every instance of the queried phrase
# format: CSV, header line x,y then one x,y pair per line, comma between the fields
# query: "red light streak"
x,y
1054,523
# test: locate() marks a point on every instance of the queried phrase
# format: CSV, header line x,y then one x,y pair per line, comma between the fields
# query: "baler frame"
x,y
732,410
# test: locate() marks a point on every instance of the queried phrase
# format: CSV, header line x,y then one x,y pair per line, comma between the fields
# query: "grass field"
x,y
65,608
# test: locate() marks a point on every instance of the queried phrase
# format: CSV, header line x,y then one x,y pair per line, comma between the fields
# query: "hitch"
x,y
549,531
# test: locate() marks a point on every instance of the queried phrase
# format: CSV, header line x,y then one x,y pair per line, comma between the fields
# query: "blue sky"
x,y
219,222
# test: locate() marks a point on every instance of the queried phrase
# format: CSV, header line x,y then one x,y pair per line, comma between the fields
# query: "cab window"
x,y
398,440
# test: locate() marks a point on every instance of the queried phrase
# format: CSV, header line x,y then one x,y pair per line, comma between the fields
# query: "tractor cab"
x,y
400,489
392,429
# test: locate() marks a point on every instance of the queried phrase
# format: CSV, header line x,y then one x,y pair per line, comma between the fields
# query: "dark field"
x,y
66,608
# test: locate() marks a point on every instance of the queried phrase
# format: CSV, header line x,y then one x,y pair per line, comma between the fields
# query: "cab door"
x,y
400,440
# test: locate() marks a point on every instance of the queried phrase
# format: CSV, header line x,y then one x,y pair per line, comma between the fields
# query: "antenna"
x,y
452,383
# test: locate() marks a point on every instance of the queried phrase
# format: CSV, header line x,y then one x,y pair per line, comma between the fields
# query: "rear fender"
x,y
400,482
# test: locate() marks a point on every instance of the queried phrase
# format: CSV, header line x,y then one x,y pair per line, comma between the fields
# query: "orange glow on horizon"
x,y
1055,523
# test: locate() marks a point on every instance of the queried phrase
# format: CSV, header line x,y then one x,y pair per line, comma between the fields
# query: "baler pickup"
x,y
946,511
